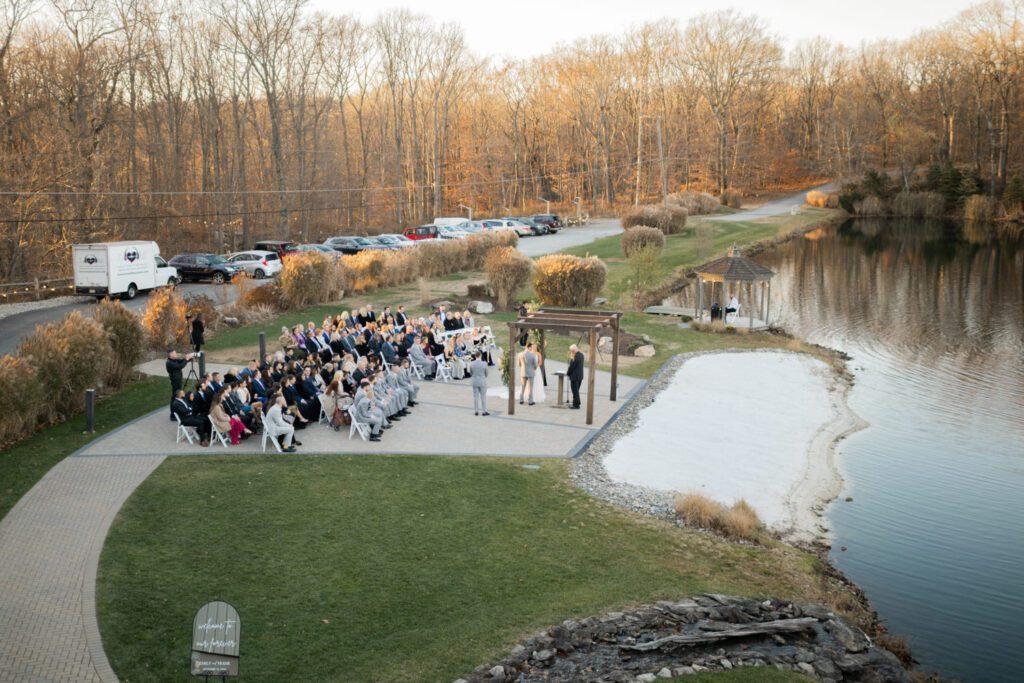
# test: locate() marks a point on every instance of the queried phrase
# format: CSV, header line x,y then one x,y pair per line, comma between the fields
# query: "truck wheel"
x,y
131,292
218,278
171,281
259,274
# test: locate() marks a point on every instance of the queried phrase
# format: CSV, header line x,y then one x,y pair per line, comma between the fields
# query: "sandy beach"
x,y
761,426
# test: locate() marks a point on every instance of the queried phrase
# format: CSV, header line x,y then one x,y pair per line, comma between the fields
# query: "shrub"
x,y
437,257
400,267
933,205
823,200
126,335
739,521
564,280
310,278
200,304
877,184
164,319
1013,195
908,204
670,219
695,203
697,510
980,209
508,269
732,198
642,237
870,206
69,357
269,295
20,416
644,264
850,197
365,271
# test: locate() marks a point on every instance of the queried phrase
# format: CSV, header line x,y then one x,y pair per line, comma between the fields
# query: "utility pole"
x,y
639,133
661,159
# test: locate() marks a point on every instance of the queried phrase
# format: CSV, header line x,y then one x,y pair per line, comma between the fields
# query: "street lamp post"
x,y
547,204
468,209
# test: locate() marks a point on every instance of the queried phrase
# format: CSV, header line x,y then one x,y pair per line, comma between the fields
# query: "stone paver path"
x,y
50,542
50,545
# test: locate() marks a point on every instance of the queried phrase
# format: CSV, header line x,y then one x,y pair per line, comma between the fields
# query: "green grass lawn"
x,y
391,568
22,465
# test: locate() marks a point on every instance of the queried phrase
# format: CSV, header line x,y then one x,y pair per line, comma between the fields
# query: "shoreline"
x,y
806,498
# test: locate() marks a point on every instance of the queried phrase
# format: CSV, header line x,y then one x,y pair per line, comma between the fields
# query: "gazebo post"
x,y
700,299
543,354
590,376
615,356
760,307
750,304
512,328
768,304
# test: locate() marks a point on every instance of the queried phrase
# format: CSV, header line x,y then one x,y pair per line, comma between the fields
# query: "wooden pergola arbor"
x,y
737,269
566,321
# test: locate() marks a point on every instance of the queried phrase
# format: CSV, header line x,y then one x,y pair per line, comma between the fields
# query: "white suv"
x,y
257,264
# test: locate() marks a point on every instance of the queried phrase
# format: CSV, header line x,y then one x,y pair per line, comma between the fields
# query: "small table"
x,y
561,388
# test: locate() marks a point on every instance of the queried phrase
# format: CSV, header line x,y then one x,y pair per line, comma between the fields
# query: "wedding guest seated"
x,y
225,423
421,359
367,413
282,430
190,418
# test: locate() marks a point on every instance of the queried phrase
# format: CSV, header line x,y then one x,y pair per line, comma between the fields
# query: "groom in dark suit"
x,y
575,373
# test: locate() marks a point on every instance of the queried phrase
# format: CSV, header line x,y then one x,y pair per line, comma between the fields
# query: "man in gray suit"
x,y
367,413
478,372
528,361
274,419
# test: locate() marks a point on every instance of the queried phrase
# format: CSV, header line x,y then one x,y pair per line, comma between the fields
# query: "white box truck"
x,y
120,268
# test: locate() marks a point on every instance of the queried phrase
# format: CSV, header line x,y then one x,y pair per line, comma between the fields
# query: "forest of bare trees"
x,y
216,124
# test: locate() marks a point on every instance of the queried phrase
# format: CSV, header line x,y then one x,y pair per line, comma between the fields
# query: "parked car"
x,y
379,243
522,229
422,232
258,264
495,224
344,245
197,267
472,227
538,228
322,248
453,221
400,241
447,232
280,247
549,219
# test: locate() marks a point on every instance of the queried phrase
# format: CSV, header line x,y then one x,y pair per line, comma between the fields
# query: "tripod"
x,y
193,375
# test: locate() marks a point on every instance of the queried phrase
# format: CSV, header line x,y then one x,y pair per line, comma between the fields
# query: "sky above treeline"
x,y
525,28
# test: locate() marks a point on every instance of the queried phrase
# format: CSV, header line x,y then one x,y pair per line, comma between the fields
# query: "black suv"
x,y
195,267
552,221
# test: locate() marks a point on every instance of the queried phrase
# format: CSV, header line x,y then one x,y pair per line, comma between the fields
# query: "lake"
x,y
933,316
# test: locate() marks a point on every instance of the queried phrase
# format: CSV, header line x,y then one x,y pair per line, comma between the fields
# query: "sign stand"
x,y
216,632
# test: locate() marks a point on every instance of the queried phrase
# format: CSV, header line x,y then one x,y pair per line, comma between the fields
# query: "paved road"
x,y
570,237
14,327
776,207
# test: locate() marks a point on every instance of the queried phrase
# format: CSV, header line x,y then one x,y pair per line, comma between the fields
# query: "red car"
x,y
280,247
422,232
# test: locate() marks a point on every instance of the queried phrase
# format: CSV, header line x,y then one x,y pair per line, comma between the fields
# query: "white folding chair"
x,y
357,426
444,370
215,434
386,365
188,433
416,370
324,417
268,435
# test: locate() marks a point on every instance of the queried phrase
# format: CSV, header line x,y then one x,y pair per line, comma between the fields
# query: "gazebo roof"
x,y
734,268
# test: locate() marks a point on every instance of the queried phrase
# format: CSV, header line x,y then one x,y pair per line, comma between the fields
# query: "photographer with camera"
x,y
198,329
174,366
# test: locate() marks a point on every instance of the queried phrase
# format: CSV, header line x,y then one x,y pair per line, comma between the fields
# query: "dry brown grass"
x,y
508,269
980,209
695,203
737,522
870,206
309,278
823,200
19,417
670,219
126,335
697,510
572,281
732,198
642,237
899,647
164,319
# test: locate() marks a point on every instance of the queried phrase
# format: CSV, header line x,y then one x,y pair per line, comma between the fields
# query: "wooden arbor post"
x,y
615,357
512,329
590,377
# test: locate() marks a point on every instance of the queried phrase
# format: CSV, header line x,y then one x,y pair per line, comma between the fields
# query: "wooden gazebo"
x,y
566,321
738,269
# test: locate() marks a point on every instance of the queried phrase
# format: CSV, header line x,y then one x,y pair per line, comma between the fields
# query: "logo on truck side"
x,y
91,259
131,255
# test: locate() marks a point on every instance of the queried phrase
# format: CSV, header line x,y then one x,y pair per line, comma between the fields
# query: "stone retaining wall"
x,y
620,647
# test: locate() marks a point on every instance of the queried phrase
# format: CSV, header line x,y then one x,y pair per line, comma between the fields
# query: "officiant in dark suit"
x,y
575,374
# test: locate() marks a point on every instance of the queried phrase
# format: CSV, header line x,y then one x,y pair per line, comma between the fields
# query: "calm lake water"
x,y
933,316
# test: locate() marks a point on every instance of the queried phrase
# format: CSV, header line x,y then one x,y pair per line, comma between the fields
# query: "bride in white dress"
x,y
538,379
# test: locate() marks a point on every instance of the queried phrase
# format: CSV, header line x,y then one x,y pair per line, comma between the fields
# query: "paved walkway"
x,y
50,542
777,207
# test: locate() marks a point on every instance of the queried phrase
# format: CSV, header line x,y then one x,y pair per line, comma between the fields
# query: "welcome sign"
x,y
216,631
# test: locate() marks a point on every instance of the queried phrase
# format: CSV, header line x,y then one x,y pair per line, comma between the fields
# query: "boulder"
x,y
645,351
481,307
604,345
230,321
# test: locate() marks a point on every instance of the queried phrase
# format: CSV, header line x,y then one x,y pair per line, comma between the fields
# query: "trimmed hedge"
x,y
670,219
508,269
642,237
572,281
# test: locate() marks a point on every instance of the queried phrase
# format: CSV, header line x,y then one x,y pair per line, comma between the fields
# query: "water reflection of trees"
x,y
926,288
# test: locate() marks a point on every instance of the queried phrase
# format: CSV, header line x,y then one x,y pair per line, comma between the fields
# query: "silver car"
x,y
257,264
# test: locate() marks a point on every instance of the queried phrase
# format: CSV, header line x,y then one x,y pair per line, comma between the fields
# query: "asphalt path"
x,y
14,328
776,207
